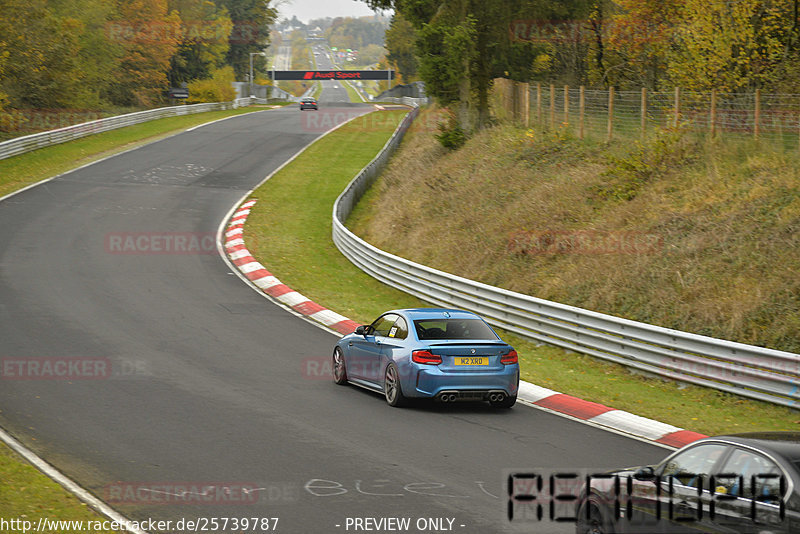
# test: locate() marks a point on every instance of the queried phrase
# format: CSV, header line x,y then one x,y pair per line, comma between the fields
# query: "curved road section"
x,y
136,363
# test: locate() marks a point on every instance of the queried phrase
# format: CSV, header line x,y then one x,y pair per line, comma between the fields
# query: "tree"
x,y
461,46
400,38
205,30
732,46
355,33
3,60
151,37
42,56
251,22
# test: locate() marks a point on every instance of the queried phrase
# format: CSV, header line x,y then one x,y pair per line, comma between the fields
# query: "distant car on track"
x,y
441,354
740,483
308,103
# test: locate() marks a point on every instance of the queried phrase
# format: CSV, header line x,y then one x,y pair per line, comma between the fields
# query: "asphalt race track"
x,y
187,385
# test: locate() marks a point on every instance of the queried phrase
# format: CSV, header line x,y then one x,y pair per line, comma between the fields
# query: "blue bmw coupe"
x,y
446,355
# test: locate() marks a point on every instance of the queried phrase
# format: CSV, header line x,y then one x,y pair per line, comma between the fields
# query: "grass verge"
x,y
30,495
25,169
352,93
27,493
289,232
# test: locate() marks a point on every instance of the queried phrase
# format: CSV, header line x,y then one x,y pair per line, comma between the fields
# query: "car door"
x,y
365,351
747,494
392,344
671,502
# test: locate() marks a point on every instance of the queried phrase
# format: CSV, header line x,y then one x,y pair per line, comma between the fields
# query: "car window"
x,y
747,465
686,467
383,325
453,329
399,330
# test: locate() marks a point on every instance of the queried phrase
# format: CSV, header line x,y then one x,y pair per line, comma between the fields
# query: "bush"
x,y
451,135
216,89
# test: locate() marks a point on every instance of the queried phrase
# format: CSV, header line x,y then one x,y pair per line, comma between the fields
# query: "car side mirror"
x,y
362,330
644,473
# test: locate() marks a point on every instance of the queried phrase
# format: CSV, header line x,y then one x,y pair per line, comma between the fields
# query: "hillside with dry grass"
x,y
674,230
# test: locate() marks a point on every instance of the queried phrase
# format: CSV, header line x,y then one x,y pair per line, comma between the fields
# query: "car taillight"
x,y
425,356
510,358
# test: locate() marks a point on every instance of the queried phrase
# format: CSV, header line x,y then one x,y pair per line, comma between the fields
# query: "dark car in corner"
x,y
739,483
308,103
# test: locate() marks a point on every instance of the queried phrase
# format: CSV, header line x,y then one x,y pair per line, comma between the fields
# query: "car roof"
x,y
783,444
434,313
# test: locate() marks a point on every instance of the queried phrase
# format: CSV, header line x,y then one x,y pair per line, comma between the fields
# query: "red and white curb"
x,y
530,394
266,282
603,416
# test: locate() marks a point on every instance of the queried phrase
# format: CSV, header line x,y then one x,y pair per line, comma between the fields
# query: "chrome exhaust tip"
x,y
447,397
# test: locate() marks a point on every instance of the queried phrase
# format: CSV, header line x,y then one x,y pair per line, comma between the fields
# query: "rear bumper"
x,y
430,381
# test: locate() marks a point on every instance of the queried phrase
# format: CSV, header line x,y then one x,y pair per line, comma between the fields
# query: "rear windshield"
x,y
453,329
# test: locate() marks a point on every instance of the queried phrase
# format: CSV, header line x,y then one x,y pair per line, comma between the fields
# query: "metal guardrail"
x,y
759,373
20,145
405,100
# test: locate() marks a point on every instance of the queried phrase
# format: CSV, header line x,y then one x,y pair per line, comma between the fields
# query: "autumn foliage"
x,y
458,46
100,54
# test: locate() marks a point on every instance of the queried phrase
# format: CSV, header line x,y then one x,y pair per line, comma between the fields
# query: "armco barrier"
x,y
755,372
20,145
405,100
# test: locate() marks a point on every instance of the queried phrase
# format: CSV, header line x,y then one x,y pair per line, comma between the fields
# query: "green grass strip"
x,y
29,495
289,232
290,228
352,93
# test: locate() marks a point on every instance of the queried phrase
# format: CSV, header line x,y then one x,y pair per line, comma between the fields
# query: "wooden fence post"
x,y
644,111
552,106
713,119
757,118
527,104
610,113
582,108
566,105
539,104
514,101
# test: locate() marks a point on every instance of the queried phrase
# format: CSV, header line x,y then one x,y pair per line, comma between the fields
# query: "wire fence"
x,y
757,115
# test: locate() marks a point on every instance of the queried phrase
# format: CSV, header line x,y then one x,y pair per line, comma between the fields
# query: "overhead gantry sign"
x,y
279,75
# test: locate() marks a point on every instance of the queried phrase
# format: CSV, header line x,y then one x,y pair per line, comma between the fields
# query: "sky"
x,y
316,9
